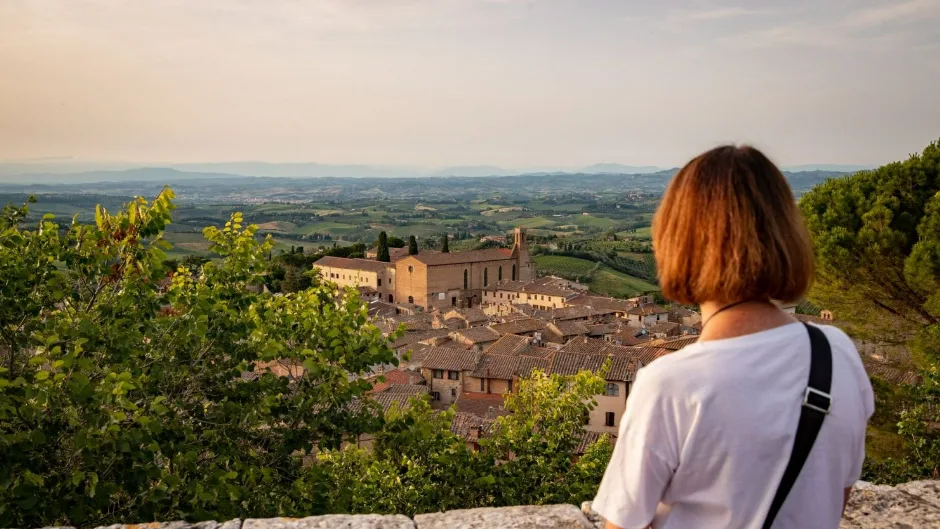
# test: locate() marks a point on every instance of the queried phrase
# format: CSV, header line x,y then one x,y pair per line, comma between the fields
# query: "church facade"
x,y
435,280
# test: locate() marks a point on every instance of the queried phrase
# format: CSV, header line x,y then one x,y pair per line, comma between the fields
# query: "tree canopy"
x,y
130,395
412,245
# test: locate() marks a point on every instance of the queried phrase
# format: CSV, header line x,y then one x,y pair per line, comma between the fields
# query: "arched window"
x,y
486,278
500,274
411,300
513,272
465,280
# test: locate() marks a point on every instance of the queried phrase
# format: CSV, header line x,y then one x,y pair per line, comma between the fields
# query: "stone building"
x,y
442,280
435,280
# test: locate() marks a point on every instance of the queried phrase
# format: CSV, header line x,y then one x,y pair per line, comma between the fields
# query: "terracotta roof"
x,y
396,377
602,329
380,308
622,369
679,343
513,316
450,359
506,286
478,334
647,354
585,345
414,337
664,327
538,352
575,312
508,345
463,424
479,404
570,328
572,363
472,315
402,397
418,352
891,374
475,256
806,318
589,438
599,302
529,363
352,264
627,336
648,309
496,366
519,326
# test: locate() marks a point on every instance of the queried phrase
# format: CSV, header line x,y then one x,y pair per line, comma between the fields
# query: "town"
x,y
476,322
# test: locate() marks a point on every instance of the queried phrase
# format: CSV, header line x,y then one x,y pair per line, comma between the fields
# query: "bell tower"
x,y
520,252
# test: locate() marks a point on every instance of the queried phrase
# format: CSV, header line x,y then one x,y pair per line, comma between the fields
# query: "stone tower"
x,y
520,252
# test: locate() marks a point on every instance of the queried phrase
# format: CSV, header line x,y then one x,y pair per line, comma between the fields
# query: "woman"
x,y
708,430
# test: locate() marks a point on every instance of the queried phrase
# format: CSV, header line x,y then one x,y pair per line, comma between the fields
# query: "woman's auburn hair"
x,y
728,229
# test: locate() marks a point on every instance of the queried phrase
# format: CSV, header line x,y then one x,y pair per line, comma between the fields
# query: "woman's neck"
x,y
741,319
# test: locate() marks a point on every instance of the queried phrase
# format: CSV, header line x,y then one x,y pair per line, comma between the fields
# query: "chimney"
x,y
491,413
474,433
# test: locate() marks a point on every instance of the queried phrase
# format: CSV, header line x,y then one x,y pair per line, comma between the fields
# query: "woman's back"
x,y
717,420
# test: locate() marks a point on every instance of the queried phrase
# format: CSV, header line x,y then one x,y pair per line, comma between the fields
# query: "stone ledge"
x,y
910,505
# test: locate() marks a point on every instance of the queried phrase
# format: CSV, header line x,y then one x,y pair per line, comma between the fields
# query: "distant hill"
x,y
829,167
616,168
142,174
473,170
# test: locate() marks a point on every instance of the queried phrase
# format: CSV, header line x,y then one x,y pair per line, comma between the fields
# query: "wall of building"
x,y
346,277
605,404
444,386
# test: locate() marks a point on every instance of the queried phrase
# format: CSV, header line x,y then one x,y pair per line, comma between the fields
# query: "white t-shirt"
x,y
708,431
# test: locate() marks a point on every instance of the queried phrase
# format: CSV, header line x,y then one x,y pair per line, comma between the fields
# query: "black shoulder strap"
x,y
816,405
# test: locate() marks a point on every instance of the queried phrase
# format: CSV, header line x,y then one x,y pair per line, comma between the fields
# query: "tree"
x,y
396,242
122,399
877,241
412,245
445,247
876,236
382,248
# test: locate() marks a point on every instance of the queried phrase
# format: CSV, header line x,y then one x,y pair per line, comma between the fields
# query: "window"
x,y
379,282
453,301
609,419
435,395
411,269
510,385
453,393
613,389
411,300
391,299
499,275
438,373
482,384
486,277
500,295
465,280
453,375
513,272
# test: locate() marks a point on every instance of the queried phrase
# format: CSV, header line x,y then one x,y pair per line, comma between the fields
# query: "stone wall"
x,y
911,505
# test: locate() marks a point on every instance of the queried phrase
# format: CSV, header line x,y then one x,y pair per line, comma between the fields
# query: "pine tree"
x,y
444,246
412,245
382,253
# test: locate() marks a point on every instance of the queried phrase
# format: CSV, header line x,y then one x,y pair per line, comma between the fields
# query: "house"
x,y
359,273
472,317
478,338
443,369
648,314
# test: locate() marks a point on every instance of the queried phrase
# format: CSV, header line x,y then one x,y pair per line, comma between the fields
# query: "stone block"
x,y
231,524
929,491
522,517
333,521
879,506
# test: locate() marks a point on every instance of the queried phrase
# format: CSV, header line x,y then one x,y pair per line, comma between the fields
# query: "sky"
x,y
431,83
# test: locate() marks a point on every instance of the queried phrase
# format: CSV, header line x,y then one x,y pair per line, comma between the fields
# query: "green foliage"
x,y
396,242
121,396
382,248
412,245
877,241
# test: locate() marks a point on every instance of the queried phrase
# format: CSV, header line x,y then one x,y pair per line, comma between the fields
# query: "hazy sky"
x,y
516,83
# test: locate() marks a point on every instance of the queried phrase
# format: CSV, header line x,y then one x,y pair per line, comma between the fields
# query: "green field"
x,y
564,266
616,284
600,279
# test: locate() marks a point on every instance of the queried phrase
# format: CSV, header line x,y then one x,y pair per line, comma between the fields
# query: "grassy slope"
x,y
603,280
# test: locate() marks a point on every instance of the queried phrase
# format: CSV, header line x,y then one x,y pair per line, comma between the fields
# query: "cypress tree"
x,y
382,253
412,245
444,246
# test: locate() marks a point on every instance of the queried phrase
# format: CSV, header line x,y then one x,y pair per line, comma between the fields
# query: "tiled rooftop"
x,y
353,264
450,359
